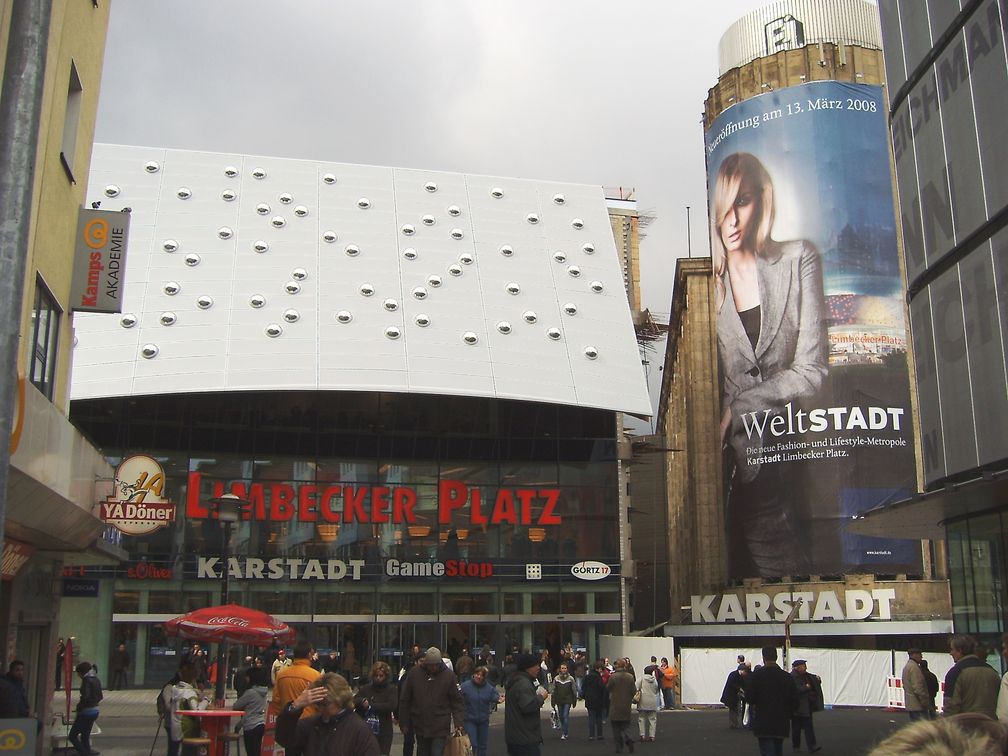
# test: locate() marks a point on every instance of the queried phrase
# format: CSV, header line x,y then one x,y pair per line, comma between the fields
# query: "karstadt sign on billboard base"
x,y
815,417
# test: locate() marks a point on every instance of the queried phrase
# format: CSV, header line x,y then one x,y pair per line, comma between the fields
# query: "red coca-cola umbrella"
x,y
230,622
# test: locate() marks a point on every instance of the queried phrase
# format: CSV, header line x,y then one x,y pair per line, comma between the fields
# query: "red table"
x,y
214,723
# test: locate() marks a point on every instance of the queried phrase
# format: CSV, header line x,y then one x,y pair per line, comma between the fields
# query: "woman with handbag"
x,y
376,701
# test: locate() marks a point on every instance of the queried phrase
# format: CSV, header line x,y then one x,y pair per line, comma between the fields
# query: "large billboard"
x,y
815,418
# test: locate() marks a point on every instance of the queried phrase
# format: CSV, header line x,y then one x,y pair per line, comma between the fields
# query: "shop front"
x,y
374,521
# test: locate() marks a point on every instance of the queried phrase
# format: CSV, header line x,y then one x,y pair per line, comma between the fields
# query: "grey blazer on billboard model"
x,y
790,360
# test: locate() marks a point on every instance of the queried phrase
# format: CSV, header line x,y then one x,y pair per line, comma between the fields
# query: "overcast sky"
x,y
585,91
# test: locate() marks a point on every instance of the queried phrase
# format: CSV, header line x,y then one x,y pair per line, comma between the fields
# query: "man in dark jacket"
x,y
772,694
596,700
734,693
13,697
428,702
523,699
810,700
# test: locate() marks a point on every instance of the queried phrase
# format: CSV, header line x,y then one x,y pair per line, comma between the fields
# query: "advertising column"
x,y
815,421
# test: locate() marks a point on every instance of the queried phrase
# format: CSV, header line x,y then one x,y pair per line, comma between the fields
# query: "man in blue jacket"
x,y
524,698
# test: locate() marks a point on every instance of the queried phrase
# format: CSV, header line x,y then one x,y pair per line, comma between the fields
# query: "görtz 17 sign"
x,y
99,261
137,505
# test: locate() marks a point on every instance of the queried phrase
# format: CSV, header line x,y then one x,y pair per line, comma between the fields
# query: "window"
x,y
45,329
75,94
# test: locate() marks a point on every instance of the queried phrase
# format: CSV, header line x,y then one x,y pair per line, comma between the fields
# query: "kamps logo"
x,y
589,570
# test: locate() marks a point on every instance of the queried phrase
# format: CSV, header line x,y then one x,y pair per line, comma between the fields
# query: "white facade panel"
x,y
285,249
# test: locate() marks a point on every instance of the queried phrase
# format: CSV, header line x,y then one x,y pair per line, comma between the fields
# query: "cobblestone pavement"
x,y
128,724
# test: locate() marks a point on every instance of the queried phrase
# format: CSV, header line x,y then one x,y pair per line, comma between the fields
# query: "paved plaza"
x,y
128,725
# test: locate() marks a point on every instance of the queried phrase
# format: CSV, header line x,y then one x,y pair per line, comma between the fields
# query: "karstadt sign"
x,y
814,606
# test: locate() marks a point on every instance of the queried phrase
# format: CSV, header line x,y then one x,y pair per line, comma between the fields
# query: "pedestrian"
x,y
87,709
524,698
334,731
596,697
252,701
240,678
933,688
294,676
164,707
621,687
464,665
949,736
733,694
119,664
279,663
810,700
428,703
184,697
198,657
579,671
564,697
915,690
670,674
773,696
971,685
380,696
647,706
413,659
60,656
13,696
481,698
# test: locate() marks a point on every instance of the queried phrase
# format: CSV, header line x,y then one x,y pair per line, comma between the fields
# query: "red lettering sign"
x,y
280,502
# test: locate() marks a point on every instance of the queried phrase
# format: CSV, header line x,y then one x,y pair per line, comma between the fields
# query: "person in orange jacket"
x,y
293,679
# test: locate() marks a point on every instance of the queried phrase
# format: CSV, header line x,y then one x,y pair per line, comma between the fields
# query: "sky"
x,y
567,90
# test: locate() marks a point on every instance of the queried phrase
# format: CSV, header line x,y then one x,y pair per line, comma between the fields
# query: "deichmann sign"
x,y
589,570
99,261
138,506
821,606
339,502
811,336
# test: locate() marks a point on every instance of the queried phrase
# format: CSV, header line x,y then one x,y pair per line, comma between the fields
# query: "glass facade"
x,y
376,519
947,72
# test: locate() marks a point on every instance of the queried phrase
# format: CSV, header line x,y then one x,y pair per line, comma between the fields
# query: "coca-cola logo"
x,y
236,621
147,571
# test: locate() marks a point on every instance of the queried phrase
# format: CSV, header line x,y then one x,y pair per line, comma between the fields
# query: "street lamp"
x,y
229,508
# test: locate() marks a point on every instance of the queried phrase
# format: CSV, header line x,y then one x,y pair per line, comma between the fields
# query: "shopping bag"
x,y
555,719
637,697
372,721
458,745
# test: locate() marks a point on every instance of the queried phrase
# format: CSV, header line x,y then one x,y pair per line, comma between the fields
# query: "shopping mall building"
x,y
414,379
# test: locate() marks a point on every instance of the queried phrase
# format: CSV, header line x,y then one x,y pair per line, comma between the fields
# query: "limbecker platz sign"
x,y
345,502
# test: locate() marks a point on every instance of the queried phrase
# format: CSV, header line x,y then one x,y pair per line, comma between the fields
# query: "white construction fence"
x,y
849,678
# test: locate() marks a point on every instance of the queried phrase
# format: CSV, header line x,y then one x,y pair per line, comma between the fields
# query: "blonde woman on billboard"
x,y
772,350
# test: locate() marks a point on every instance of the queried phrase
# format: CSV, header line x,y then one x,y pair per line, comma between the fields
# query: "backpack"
x,y
163,706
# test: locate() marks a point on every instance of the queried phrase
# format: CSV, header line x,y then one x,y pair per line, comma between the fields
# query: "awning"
x,y
925,515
